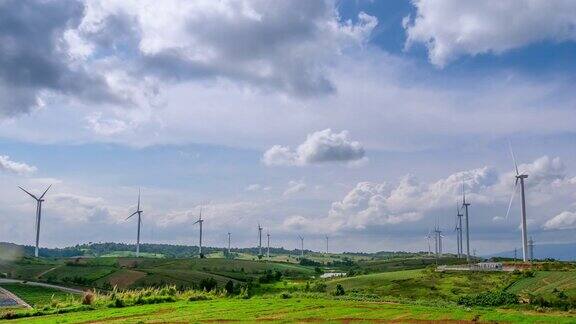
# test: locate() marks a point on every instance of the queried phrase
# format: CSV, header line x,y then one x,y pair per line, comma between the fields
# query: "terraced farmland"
x,y
545,282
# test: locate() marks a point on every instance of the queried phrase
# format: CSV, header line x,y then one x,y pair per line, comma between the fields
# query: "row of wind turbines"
x,y
519,179
527,246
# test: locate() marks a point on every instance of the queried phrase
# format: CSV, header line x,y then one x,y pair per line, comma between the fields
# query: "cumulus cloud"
x,y
450,28
319,147
409,200
7,165
564,220
78,208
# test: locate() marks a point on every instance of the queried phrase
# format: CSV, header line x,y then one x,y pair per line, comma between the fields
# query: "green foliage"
x,y
208,284
497,298
339,290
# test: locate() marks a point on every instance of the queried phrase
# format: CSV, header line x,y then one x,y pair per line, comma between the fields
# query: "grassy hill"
x,y
424,284
546,283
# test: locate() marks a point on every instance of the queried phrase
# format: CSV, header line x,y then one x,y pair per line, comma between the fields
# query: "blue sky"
x,y
356,119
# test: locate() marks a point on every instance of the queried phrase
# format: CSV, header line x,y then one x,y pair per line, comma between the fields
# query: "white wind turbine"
x,y
38,215
229,242
520,178
139,213
326,244
259,240
458,230
199,222
301,246
466,204
268,245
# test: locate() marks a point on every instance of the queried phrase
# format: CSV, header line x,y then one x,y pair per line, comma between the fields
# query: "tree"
x,y
229,287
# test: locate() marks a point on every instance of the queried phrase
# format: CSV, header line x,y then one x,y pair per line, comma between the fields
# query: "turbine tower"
x,y
228,242
326,244
520,178
428,237
301,246
139,213
199,222
259,240
459,242
466,204
38,215
531,248
268,245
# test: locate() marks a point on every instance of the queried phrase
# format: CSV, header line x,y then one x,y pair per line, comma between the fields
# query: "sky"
x,y
361,120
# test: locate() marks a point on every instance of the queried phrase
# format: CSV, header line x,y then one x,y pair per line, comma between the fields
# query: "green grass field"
x,y
37,296
424,284
295,309
544,283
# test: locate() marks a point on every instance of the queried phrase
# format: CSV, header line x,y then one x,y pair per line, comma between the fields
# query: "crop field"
x,y
424,284
37,296
297,308
544,283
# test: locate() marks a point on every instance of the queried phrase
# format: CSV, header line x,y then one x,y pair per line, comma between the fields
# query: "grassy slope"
x,y
423,284
544,282
37,296
290,310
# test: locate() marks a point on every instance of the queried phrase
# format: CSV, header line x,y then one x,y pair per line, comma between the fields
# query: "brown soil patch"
x,y
125,278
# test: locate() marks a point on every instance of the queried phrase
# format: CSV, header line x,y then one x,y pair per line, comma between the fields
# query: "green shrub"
x,y
339,290
285,295
497,298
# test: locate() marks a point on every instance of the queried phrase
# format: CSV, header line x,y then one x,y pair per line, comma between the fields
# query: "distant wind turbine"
x,y
259,240
199,222
326,244
139,213
268,245
38,215
466,204
229,242
301,246
520,178
459,242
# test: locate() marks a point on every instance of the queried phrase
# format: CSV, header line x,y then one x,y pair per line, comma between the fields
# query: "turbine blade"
x,y
45,191
138,208
132,215
31,195
513,157
512,198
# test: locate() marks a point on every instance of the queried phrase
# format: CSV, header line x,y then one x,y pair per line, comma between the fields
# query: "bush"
x,y
318,286
208,284
339,290
197,297
229,287
285,295
498,298
88,298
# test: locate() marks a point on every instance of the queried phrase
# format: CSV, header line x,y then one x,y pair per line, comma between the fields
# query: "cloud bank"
x,y
20,168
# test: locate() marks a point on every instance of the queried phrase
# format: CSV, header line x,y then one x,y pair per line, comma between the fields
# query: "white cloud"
x,y
319,147
450,28
253,187
564,220
20,168
294,187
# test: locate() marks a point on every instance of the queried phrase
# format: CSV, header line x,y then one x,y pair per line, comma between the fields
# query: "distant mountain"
x,y
564,252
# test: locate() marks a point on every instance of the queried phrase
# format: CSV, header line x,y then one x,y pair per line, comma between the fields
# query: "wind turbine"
x,y
259,240
199,222
229,242
459,231
139,213
326,244
301,246
466,205
38,214
520,178
268,245
428,237
438,240
531,248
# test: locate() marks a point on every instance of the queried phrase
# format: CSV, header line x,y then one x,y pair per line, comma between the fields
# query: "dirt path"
x,y
15,298
41,284
47,271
